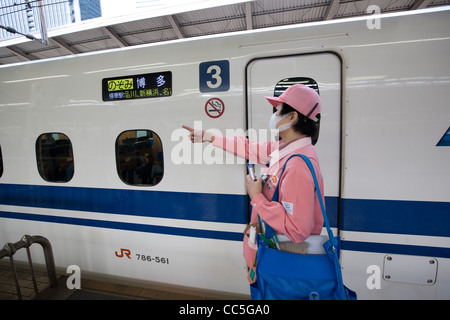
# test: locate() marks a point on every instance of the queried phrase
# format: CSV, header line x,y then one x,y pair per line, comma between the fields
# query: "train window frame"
x,y
155,158
61,168
1,162
285,83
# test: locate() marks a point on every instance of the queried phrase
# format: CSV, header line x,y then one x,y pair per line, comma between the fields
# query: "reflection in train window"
x,y
282,85
139,157
54,156
1,162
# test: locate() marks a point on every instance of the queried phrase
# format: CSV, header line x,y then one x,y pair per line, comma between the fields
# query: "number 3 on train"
x,y
214,76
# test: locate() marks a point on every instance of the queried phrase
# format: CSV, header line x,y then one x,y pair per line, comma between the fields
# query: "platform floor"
x,y
90,289
8,288
99,290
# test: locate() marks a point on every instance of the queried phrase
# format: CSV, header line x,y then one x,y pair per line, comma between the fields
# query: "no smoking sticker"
x,y
214,108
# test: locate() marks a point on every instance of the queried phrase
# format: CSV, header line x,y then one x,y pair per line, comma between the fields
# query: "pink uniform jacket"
x,y
297,214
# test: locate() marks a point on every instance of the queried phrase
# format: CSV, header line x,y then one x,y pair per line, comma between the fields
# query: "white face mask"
x,y
274,119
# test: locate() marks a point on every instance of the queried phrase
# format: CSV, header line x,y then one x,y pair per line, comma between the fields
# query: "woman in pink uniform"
x,y
297,214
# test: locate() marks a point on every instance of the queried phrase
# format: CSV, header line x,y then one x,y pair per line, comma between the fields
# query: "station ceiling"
x,y
194,22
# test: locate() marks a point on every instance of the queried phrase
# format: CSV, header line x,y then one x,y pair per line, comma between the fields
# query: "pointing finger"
x,y
188,128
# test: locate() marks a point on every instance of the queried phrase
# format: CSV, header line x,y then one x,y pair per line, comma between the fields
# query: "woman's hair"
x,y
304,124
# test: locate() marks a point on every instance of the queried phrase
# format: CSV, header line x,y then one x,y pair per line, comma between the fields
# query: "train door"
x,y
322,71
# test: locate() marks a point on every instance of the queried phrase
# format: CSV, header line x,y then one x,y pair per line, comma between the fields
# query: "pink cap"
x,y
300,97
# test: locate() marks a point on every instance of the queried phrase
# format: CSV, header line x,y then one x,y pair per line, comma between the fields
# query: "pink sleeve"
x,y
293,215
244,148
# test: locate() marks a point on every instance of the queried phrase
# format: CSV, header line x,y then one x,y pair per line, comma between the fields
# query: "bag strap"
x,y
275,197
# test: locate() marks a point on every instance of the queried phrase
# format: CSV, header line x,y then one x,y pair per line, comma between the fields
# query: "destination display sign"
x,y
150,85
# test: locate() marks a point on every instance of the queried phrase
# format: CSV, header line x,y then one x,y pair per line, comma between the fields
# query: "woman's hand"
x,y
253,187
199,136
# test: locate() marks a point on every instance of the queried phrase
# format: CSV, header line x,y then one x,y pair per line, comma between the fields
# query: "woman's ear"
x,y
293,116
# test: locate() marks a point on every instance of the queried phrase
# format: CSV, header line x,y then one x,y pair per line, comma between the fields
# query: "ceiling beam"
x,y
22,55
115,37
332,10
420,4
176,26
62,44
248,15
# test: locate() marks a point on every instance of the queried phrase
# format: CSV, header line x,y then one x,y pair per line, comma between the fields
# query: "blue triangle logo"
x,y
445,140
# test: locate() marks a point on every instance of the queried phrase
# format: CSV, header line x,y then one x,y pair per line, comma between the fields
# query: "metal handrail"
x,y
11,248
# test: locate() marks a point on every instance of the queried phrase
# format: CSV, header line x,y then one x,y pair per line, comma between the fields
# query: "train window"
x,y
54,156
139,157
1,162
282,85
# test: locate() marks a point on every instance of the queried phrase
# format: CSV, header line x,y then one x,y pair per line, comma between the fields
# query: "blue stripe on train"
x,y
226,208
174,205
391,248
398,217
381,216
223,235
186,232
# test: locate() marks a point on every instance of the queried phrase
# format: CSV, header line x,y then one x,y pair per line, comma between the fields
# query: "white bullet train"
x,y
92,156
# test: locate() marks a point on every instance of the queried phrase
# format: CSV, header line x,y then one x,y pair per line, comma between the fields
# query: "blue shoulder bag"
x,y
283,275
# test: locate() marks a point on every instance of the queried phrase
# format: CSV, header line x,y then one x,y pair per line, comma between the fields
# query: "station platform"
x,y
90,289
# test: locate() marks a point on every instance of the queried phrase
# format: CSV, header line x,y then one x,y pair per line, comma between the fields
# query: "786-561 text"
x,y
143,257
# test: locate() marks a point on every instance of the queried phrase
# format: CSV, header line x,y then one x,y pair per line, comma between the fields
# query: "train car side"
x,y
178,218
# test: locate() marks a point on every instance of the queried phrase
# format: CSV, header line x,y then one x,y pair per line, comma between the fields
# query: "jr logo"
x,y
123,252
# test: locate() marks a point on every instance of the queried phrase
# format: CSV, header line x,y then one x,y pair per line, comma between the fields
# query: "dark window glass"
x,y
282,85
54,157
139,157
